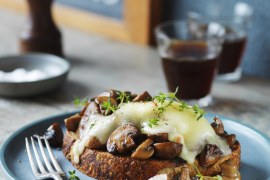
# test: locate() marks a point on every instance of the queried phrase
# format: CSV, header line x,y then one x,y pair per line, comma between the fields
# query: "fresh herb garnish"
x,y
77,102
202,177
199,112
183,105
92,125
73,176
153,122
160,109
108,106
123,97
170,96
162,97
166,100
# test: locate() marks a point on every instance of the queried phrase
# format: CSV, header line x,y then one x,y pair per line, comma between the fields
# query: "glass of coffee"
x,y
235,39
190,57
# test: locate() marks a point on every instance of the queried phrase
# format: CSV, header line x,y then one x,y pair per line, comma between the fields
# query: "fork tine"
x,y
55,163
48,165
34,169
40,165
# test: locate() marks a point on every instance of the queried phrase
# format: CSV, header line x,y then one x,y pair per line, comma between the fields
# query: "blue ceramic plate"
x,y
255,163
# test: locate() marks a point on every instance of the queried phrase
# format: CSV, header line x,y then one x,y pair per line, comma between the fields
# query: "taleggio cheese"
x,y
181,126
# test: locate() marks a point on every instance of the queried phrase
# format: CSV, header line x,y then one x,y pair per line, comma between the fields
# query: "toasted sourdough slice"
x,y
136,121
103,165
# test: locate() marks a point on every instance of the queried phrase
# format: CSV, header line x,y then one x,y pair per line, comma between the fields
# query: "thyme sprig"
x,y
152,122
162,98
108,106
166,100
198,111
183,106
202,177
77,102
123,97
73,176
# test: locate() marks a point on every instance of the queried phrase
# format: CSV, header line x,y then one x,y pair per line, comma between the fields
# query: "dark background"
x,y
257,56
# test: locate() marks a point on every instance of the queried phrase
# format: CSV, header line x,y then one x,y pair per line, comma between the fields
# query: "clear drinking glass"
x,y
190,55
235,39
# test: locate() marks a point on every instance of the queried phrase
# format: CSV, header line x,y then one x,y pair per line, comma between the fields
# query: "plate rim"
x,y
11,137
3,147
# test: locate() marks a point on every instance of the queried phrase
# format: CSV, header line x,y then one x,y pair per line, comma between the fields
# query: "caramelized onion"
x,y
230,171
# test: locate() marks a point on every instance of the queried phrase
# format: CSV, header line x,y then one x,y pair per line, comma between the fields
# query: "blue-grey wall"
x,y
257,56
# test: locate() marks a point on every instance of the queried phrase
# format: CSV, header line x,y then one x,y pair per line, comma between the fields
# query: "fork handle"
x,y
56,176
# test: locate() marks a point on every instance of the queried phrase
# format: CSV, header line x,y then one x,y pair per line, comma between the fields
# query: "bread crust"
x,y
103,165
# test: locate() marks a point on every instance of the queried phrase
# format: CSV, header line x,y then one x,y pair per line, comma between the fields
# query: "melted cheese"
x,y
182,127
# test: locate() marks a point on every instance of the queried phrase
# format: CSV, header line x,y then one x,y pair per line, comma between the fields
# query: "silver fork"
x,y
43,173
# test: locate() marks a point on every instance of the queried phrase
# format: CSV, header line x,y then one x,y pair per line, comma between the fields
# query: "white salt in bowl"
x,y
31,74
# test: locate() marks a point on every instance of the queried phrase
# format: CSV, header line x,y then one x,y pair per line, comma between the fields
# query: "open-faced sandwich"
x,y
119,135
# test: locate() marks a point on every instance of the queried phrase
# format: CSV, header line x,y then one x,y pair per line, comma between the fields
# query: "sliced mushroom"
x,y
93,108
84,109
101,99
110,93
145,96
210,155
111,96
159,137
144,150
53,134
167,150
230,139
123,139
73,122
218,126
219,129
133,96
105,94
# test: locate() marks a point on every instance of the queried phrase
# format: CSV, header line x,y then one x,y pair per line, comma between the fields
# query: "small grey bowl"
x,y
55,67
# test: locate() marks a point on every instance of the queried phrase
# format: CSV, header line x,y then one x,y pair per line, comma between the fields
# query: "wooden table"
x,y
99,63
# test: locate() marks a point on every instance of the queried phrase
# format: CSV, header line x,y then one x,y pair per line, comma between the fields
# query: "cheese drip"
x,y
181,126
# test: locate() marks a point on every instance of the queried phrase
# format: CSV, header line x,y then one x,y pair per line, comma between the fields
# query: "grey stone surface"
x,y
99,63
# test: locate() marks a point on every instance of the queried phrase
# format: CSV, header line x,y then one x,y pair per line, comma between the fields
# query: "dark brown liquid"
x,y
231,55
194,75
